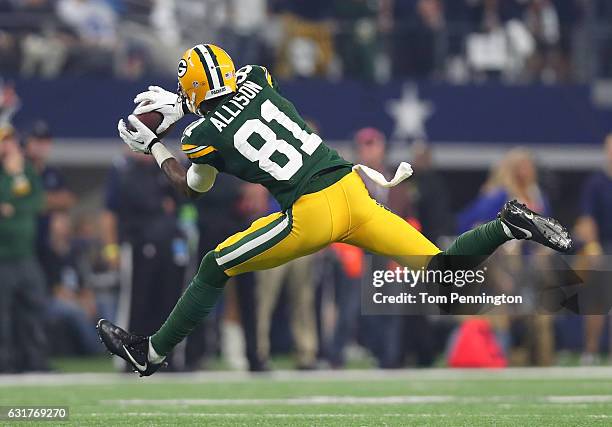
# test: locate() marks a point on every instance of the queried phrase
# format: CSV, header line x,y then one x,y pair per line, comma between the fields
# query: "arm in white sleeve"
x,y
200,178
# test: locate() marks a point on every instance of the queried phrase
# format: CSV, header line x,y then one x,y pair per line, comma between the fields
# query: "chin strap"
x,y
404,171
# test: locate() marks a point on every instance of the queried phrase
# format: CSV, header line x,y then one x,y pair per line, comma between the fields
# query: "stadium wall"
x,y
485,114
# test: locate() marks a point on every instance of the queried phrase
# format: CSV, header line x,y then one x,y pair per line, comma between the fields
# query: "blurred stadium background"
x,y
488,99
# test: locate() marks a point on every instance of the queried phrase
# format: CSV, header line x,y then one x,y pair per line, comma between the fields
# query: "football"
x,y
151,120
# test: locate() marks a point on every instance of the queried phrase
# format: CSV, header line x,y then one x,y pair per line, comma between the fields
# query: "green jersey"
x,y
258,135
18,231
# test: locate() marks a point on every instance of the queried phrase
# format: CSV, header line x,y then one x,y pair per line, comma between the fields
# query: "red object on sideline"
x,y
351,258
476,347
415,223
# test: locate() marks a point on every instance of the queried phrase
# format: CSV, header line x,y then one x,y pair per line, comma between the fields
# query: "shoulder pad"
x,y
255,72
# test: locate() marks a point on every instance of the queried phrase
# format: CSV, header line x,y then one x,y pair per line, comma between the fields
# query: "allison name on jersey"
x,y
257,135
232,109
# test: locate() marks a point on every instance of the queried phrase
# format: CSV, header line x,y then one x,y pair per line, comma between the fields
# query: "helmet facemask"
x,y
184,97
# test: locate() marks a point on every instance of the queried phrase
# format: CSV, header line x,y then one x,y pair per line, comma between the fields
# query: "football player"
x,y
248,129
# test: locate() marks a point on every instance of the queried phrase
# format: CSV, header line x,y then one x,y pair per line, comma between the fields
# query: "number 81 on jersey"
x,y
270,112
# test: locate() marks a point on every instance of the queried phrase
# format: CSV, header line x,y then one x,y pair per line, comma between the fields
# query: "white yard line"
x,y
249,415
307,400
332,415
555,373
358,400
579,399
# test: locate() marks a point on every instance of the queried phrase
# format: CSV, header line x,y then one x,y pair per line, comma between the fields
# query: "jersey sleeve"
x,y
256,73
194,145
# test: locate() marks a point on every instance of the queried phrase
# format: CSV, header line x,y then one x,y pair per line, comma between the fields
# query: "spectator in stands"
x,y
343,271
9,104
46,50
244,33
57,196
95,23
71,309
489,15
417,30
252,204
140,222
498,44
514,177
307,47
543,22
132,39
357,39
390,338
570,16
298,277
201,20
174,25
22,295
218,217
595,229
431,195
46,42
9,53
96,272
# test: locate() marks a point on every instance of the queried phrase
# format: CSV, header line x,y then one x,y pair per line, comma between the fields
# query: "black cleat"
x,y
134,349
525,224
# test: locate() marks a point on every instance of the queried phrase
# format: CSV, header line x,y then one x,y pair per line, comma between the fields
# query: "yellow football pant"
x,y
342,212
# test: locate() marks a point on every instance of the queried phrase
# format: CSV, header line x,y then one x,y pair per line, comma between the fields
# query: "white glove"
x,y
140,140
162,101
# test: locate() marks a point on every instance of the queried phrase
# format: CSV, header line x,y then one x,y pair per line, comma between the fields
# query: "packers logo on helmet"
x,y
205,72
182,68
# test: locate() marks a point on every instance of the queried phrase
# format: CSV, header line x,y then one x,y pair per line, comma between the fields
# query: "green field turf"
x,y
517,397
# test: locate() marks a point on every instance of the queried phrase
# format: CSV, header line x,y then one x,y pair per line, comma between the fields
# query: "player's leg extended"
x,y
387,234
515,221
381,231
378,230
267,243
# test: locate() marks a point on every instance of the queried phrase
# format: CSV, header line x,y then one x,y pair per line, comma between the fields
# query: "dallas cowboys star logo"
x,y
410,114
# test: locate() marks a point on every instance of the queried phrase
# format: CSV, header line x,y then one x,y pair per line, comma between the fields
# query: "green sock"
x,y
198,300
480,241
